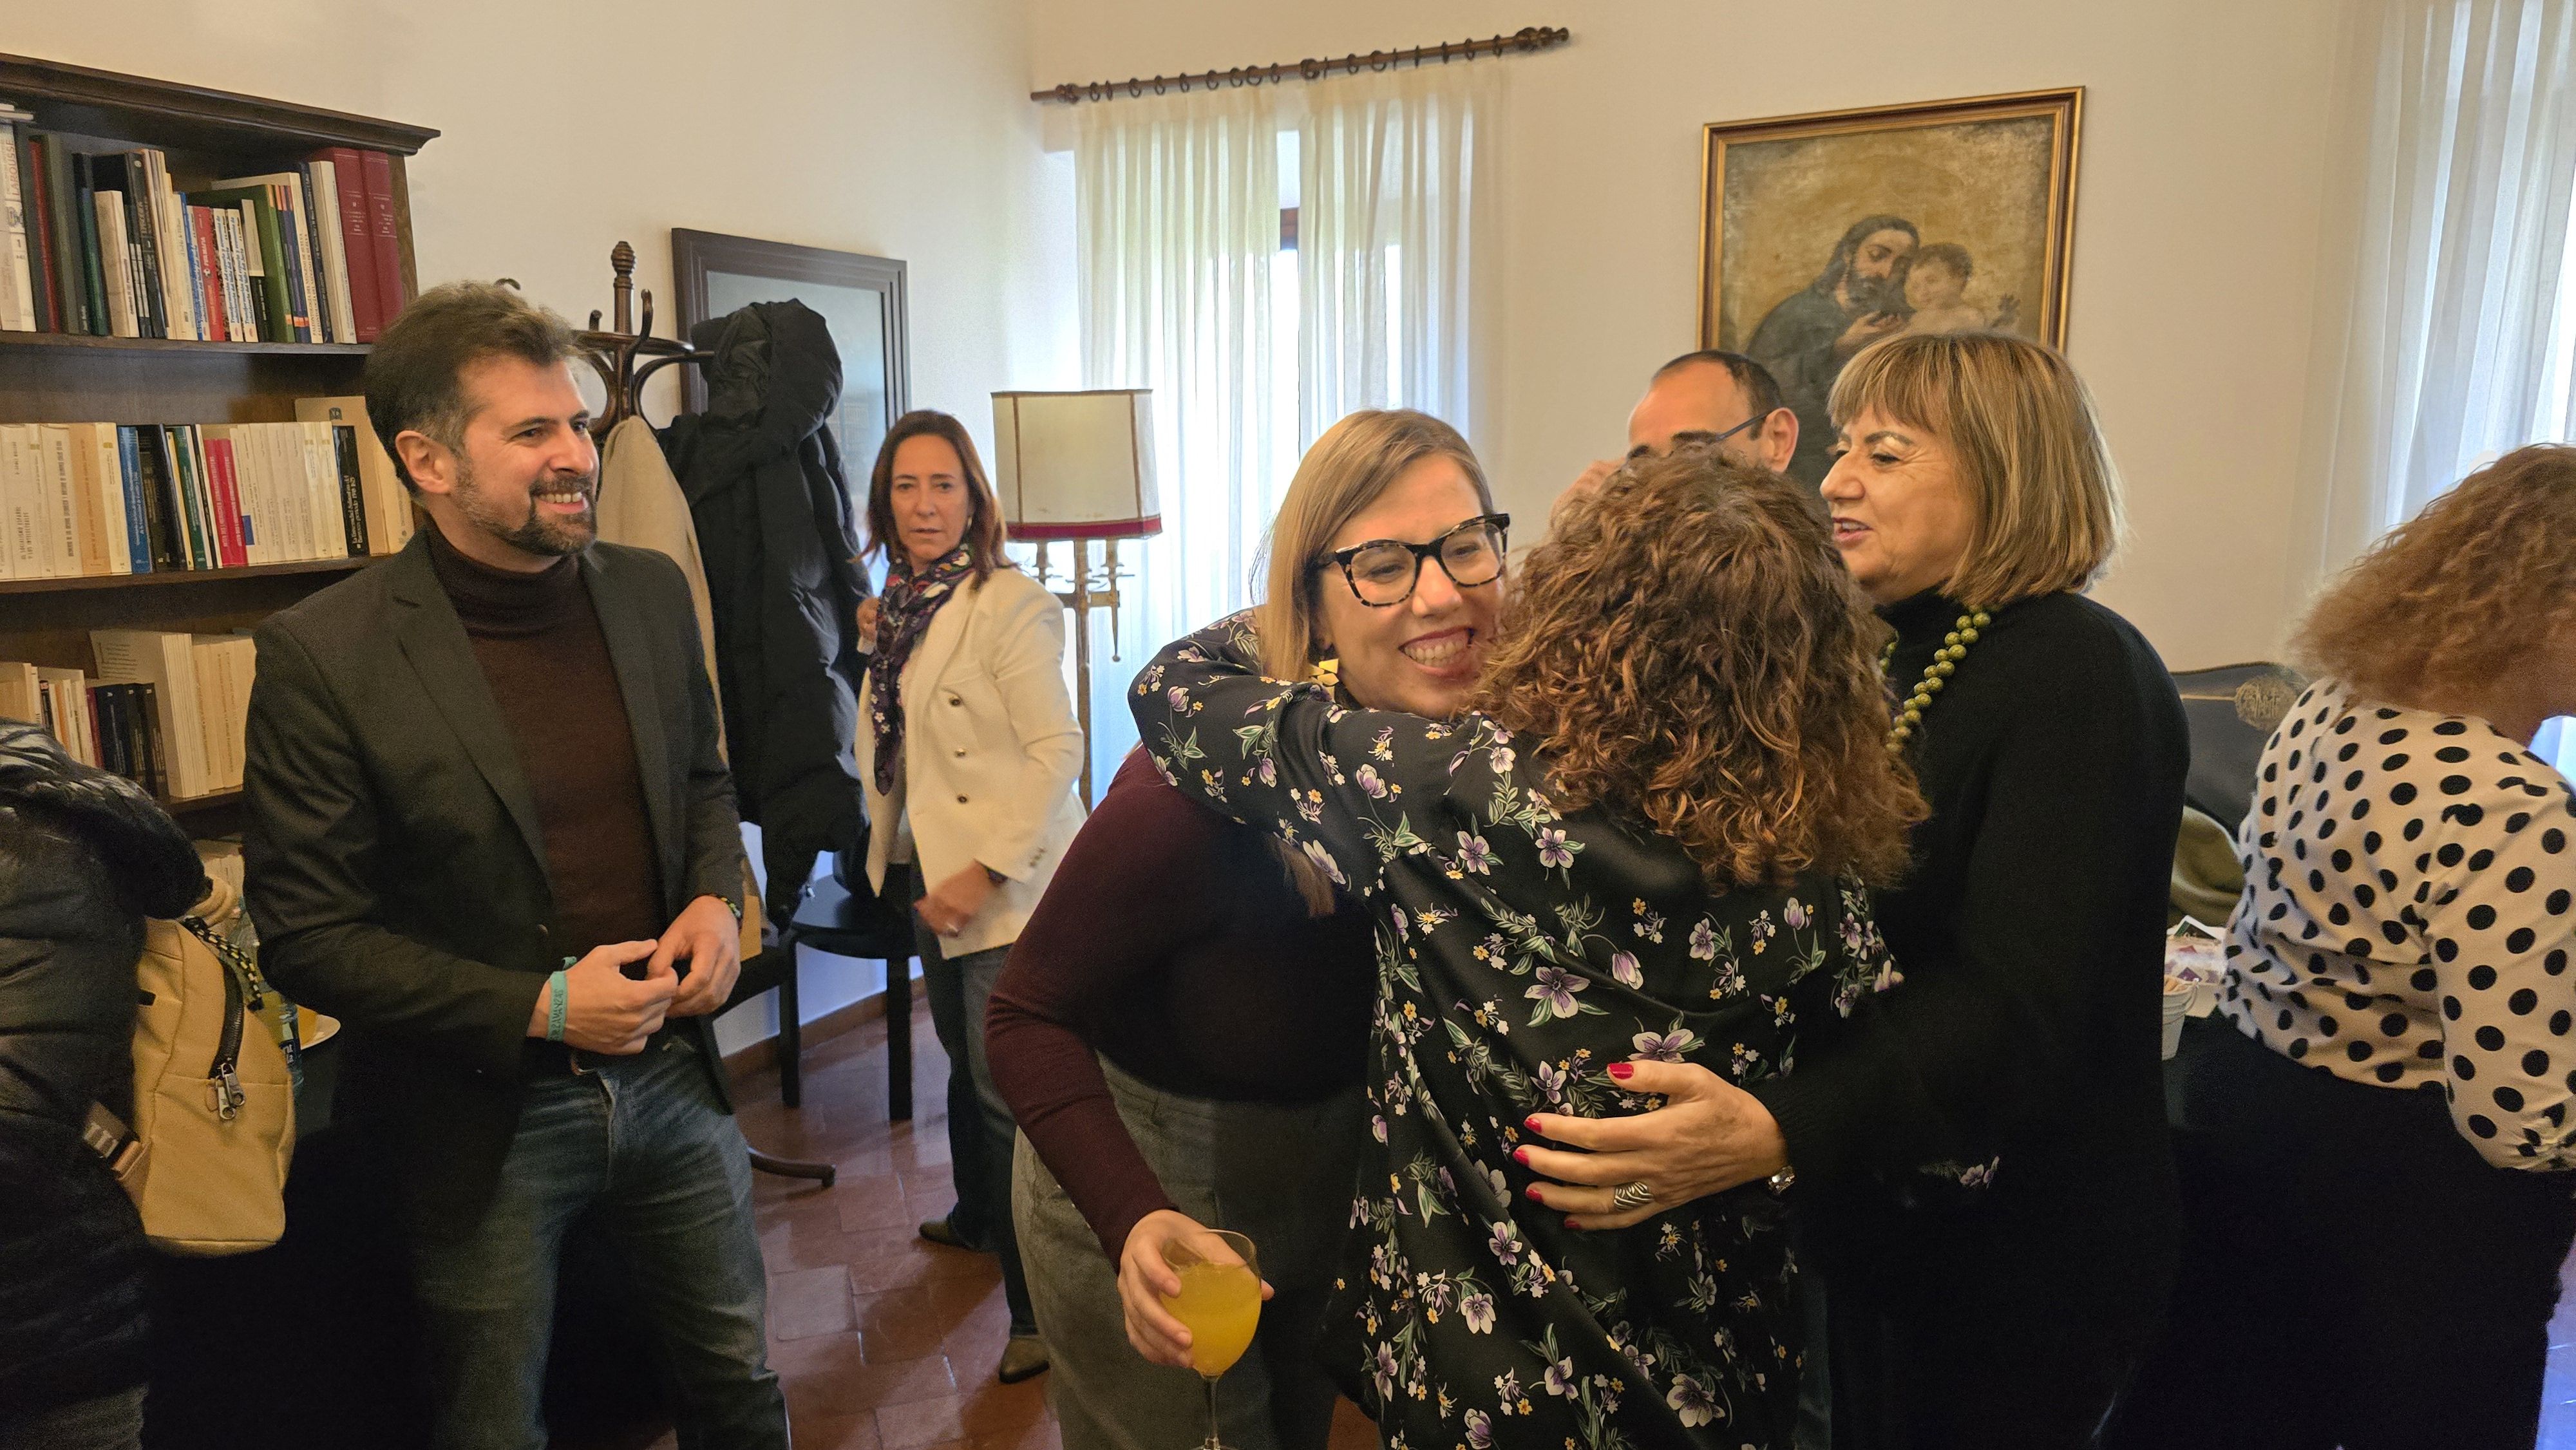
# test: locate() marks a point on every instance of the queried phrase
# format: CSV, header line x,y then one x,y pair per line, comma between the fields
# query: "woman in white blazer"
x,y
968,749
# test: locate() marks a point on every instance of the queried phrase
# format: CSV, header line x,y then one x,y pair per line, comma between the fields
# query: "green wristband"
x,y
561,991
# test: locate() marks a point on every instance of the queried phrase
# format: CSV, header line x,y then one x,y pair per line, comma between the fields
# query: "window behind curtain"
x,y
1267,260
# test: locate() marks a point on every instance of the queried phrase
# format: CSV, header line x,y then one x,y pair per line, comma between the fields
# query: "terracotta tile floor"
x,y
885,1342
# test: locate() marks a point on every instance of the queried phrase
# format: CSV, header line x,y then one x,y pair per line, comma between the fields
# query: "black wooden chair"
x,y
833,918
877,927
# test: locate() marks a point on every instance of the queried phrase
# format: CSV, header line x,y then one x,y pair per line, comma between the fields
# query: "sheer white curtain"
x,y
2447,330
2446,327
1177,210
1395,223
1252,350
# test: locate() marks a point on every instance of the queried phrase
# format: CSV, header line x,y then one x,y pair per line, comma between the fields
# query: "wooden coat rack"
x,y
614,352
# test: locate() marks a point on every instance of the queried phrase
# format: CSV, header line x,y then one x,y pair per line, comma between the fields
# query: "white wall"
x,y
880,126
2197,219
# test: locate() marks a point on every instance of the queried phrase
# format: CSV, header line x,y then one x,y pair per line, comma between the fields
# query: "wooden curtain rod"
x,y
1528,40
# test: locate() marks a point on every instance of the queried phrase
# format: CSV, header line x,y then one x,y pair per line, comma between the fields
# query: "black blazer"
x,y
396,870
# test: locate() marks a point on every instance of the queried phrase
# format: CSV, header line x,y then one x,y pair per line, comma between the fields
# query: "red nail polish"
x,y
1623,1070
1532,1191
1530,1123
1570,1223
1521,1156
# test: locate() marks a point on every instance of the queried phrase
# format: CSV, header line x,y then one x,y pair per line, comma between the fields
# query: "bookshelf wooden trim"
x,y
165,577
89,343
196,805
138,108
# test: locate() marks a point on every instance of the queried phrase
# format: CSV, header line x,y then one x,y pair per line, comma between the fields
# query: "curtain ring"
x,y
1311,69
1378,60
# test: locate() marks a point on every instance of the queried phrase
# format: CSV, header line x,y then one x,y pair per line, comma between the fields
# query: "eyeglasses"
x,y
1697,439
1382,573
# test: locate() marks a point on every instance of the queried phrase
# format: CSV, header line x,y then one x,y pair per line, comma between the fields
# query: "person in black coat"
x,y
779,536
84,858
1977,1155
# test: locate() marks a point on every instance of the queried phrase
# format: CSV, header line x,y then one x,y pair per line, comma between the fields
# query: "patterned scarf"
x,y
903,615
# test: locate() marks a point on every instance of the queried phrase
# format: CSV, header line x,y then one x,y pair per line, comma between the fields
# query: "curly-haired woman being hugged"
x,y
2377,1154
1647,839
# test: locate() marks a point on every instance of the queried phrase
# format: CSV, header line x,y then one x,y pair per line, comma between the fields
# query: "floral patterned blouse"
x,y
1521,950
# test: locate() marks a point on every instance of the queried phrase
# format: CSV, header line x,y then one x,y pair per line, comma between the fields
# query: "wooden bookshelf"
x,y
164,578
87,343
206,135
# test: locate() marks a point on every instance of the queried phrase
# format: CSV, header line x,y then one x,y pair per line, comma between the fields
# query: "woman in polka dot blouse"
x,y
2377,1157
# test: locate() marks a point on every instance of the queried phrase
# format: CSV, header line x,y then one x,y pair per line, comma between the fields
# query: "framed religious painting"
x,y
1822,234
861,298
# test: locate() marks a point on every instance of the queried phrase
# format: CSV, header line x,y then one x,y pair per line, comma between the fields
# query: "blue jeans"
x,y
980,1129
641,1152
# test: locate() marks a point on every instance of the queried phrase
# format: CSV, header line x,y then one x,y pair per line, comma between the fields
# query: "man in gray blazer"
x,y
492,832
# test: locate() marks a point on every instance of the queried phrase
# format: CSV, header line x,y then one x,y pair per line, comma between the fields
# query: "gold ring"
x,y
1632,1195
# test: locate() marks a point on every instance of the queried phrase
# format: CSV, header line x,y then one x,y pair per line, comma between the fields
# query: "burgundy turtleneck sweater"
x,y
543,654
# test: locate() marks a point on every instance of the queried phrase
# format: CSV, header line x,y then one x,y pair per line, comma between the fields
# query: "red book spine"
x,y
357,237
201,222
40,243
383,234
226,494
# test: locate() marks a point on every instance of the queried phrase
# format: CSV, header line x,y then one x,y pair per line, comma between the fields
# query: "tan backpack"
x,y
214,1097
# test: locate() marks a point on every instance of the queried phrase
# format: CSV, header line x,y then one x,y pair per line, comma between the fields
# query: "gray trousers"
x,y
1281,1177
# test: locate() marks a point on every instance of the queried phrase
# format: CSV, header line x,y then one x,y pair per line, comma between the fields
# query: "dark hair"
x,y
1860,232
984,532
1755,379
414,380
1948,254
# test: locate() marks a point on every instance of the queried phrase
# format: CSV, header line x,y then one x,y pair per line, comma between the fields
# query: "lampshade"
x,y
1076,465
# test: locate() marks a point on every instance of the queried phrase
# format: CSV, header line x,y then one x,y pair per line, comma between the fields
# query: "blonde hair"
x,y
1353,465
2461,594
1688,649
2030,455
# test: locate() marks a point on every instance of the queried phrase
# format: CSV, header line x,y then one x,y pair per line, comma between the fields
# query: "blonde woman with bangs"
x,y
2002,1297
1646,843
2391,1069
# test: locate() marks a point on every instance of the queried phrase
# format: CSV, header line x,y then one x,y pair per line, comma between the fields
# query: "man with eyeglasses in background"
x,y
1709,399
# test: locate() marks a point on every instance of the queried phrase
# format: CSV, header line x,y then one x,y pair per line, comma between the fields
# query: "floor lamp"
x,y
1077,467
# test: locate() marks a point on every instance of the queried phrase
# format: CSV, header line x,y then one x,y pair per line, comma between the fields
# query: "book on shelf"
x,y
81,500
18,308
385,502
109,724
223,860
167,662
107,242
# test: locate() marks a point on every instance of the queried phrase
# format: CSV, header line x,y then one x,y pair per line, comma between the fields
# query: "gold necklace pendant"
x,y
1945,660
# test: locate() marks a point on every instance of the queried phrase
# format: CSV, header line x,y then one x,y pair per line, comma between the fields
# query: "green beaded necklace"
x,y
1954,648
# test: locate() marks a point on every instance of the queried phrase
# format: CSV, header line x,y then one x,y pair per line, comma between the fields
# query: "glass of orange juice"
x,y
1220,1305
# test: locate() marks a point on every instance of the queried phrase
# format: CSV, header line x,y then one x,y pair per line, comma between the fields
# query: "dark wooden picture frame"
x,y
778,271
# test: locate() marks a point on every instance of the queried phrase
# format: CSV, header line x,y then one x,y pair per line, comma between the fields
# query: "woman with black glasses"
x,y
1183,1025
1647,837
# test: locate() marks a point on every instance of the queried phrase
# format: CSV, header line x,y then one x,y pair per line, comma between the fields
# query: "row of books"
x,y
81,499
168,711
105,243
